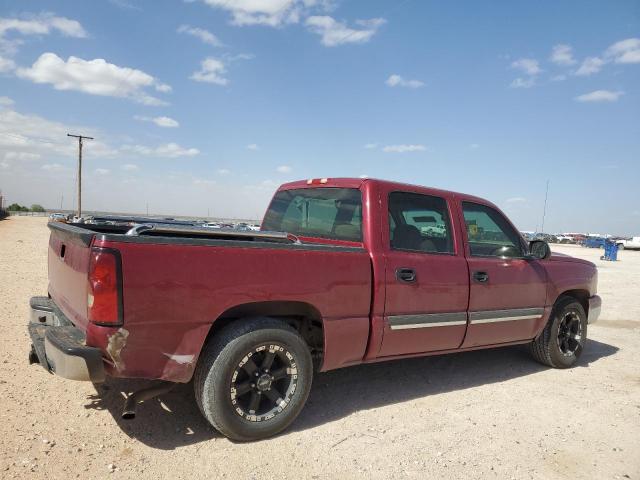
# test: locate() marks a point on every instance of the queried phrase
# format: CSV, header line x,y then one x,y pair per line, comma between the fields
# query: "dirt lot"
x,y
486,414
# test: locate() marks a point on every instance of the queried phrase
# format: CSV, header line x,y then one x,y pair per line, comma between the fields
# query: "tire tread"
x,y
217,355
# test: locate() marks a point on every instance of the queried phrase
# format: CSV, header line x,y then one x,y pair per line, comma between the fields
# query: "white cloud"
x,y
223,171
273,13
123,4
42,24
625,51
6,101
284,169
102,171
22,156
6,64
600,96
523,82
403,148
528,66
211,70
34,135
52,167
130,167
397,81
370,146
590,65
96,77
562,55
205,36
203,181
334,33
165,122
253,146
167,150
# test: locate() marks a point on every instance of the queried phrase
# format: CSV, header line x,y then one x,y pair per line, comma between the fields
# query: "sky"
x,y
205,106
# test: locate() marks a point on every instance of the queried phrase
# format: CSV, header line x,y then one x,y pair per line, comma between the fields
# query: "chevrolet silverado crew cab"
x,y
342,272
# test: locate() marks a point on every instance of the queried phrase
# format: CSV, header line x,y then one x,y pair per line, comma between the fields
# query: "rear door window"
x,y
419,223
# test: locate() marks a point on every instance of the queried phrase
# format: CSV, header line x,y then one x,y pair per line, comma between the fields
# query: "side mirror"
x,y
539,249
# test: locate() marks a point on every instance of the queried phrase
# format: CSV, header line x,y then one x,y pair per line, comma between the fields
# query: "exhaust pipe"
x,y
132,401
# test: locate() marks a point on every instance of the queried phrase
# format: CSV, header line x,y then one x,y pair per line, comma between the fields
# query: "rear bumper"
x,y
595,305
59,346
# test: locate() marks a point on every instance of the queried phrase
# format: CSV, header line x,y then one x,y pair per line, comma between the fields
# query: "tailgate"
x,y
69,251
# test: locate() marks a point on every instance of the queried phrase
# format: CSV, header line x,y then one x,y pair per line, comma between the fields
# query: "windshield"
x,y
334,213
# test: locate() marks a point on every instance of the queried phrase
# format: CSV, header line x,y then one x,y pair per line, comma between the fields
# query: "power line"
x,y
80,138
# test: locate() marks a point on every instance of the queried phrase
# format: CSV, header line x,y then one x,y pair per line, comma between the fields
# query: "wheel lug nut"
x,y
253,385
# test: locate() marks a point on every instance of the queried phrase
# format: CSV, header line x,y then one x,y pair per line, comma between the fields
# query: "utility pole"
x,y
544,211
61,200
80,138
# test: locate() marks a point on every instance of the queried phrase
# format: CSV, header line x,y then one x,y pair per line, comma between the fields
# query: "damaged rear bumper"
x,y
59,346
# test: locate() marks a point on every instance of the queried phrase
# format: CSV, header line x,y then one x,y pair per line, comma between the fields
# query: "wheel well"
x,y
581,296
305,318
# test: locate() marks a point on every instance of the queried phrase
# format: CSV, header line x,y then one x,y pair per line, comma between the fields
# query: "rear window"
x,y
334,213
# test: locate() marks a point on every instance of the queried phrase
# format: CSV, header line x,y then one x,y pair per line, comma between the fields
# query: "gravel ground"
x,y
486,414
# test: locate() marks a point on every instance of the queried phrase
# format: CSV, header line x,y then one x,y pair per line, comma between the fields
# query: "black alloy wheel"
x,y
264,382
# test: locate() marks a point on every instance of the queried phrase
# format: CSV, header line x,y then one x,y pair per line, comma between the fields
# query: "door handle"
x,y
406,275
481,277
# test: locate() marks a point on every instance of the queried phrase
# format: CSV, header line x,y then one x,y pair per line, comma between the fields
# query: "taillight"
x,y
104,299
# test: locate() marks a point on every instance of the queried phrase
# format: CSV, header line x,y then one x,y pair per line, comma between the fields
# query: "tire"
x,y
620,246
226,382
561,342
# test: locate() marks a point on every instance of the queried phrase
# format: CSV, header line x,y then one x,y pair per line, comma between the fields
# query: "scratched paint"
x,y
116,344
180,359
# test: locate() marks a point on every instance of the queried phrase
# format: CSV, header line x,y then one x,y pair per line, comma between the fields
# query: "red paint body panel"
x,y
174,292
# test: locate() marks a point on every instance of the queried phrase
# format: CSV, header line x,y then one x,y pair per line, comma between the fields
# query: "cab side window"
x,y
489,233
419,223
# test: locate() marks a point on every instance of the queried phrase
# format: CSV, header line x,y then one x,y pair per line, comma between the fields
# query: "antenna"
x,y
544,211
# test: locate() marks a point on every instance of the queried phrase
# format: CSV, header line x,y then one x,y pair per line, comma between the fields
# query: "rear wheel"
x,y
254,378
561,342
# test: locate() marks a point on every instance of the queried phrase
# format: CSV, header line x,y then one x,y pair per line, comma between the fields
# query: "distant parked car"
x,y
594,242
565,239
631,244
57,217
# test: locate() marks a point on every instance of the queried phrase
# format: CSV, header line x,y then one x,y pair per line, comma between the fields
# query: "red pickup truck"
x,y
343,272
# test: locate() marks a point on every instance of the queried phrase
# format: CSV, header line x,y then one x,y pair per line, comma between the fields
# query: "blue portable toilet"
x,y
610,251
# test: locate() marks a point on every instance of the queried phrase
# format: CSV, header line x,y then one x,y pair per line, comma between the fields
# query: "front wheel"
x,y
561,342
253,378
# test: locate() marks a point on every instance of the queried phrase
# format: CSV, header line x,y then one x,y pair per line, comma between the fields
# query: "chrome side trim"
x,y
427,320
493,316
